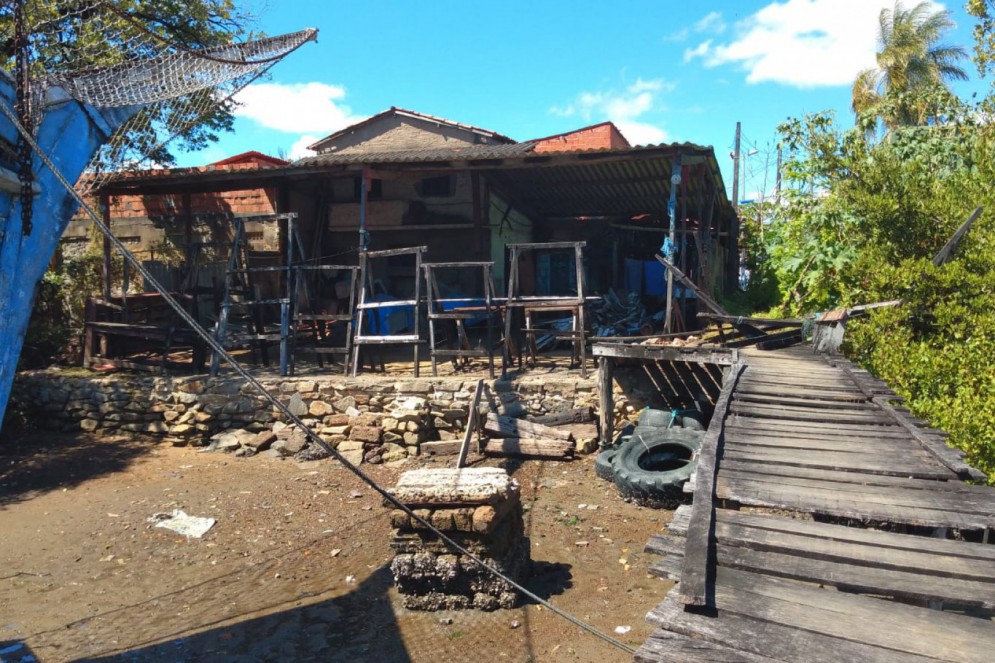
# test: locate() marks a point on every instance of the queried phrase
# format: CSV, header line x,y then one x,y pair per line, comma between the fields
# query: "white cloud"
x,y
712,22
625,107
802,43
299,148
296,108
642,133
698,51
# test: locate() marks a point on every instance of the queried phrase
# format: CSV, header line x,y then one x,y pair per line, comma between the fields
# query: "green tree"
x,y
910,60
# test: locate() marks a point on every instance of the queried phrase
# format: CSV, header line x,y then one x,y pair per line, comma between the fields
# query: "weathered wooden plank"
x,y
762,637
660,544
499,426
877,541
850,477
529,448
472,424
578,415
719,356
680,521
666,647
439,448
851,462
818,427
918,584
854,445
606,400
694,585
807,414
840,504
747,429
981,502
907,629
845,404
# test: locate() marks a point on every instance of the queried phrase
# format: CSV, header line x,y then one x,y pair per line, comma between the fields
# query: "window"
x,y
442,186
375,192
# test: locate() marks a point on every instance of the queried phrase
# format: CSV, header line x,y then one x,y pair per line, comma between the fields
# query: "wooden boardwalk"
x,y
843,552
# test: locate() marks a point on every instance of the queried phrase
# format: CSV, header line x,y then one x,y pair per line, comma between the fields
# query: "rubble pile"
x,y
479,508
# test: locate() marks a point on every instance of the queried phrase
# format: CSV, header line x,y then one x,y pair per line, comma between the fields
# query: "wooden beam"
x,y
688,283
716,355
697,574
472,424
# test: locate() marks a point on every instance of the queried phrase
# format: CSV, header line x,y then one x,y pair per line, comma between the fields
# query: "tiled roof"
x,y
467,153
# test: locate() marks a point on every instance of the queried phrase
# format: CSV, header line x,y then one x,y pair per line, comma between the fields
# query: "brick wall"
x,y
599,137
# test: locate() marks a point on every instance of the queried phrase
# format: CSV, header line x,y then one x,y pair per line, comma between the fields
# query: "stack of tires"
x,y
653,460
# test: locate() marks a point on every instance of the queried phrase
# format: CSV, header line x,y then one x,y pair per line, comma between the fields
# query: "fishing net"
x,y
119,53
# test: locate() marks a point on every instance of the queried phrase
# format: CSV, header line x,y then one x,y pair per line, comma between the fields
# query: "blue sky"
x,y
662,71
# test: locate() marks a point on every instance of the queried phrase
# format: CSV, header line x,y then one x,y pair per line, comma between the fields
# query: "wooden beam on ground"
x,y
472,424
529,448
699,560
578,415
499,426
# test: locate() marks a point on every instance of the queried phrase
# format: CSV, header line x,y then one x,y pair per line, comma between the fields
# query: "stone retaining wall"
x,y
373,418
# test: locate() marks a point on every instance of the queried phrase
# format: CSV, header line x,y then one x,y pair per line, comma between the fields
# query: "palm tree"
x,y
910,60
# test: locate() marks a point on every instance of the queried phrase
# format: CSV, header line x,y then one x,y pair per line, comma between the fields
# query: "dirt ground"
x,y
297,566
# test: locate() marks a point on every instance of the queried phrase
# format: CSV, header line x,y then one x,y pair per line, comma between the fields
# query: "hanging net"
x,y
178,60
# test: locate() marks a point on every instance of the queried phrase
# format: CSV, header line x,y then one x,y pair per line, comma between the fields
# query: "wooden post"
x,y
606,401
472,425
675,181
105,209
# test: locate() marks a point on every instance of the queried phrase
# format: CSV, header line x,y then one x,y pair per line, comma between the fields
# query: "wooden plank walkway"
x,y
844,555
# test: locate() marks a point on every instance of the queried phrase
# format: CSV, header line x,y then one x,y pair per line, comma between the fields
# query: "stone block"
x,y
320,408
369,434
261,440
296,406
345,404
350,445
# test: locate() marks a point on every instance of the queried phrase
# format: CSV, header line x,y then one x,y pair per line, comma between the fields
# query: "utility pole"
x,y
735,170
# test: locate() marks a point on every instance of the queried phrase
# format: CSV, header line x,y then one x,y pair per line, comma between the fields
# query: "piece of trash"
x,y
107,559
445,621
336,551
515,623
182,524
622,630
581,506
582,543
113,515
355,494
350,580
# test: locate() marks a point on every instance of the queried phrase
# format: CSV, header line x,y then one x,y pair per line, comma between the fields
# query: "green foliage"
x,y
910,61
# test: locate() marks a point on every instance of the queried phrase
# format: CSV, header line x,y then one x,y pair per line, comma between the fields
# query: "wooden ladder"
x,y
367,292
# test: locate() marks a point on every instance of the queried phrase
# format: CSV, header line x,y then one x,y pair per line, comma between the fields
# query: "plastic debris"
x,y
182,524
622,630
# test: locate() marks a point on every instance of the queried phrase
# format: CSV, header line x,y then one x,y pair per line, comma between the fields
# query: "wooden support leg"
x,y
606,401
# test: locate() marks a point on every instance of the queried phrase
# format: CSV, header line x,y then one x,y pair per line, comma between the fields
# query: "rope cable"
x,y
275,402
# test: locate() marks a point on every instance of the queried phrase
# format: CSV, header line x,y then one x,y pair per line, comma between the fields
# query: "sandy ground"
x,y
297,566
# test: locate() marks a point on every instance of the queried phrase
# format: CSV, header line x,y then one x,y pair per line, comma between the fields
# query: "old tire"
x,y
603,466
693,420
656,419
651,468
